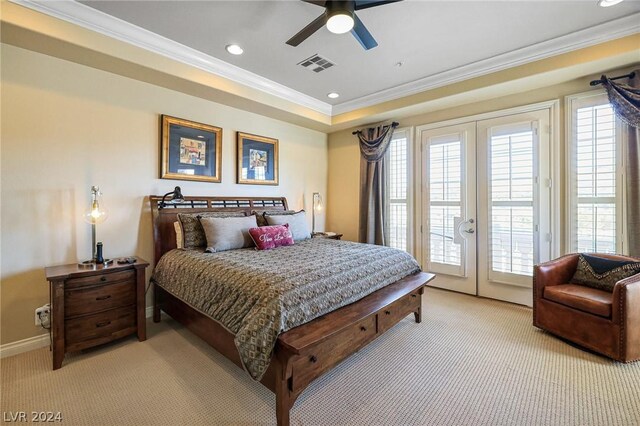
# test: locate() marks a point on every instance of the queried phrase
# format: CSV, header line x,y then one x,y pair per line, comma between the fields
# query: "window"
x,y
511,199
397,186
445,198
595,178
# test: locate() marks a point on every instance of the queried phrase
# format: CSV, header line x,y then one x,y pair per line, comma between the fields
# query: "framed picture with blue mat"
x,y
257,159
190,150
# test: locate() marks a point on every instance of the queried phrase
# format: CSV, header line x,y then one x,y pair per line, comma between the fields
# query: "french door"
x,y
486,213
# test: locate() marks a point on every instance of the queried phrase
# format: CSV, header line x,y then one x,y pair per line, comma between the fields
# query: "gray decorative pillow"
x,y
297,224
603,273
228,233
192,232
262,221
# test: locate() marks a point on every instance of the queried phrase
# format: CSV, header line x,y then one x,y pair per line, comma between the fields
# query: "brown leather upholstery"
x,y
608,323
586,299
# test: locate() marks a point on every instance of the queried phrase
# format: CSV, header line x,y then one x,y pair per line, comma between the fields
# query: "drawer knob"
x,y
363,328
387,312
103,278
313,359
103,297
102,324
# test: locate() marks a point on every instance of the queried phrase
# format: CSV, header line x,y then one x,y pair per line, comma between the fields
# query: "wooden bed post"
x,y
283,393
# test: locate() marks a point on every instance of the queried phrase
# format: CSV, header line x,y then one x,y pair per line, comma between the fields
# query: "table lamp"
x,y
317,208
97,213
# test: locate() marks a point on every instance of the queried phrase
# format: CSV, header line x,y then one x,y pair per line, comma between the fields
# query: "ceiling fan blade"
x,y
307,31
316,2
363,35
366,4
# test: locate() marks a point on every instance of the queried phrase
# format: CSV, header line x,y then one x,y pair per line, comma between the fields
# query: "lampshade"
x,y
97,212
317,202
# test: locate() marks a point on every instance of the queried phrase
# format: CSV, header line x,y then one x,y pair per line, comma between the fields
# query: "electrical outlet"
x,y
42,314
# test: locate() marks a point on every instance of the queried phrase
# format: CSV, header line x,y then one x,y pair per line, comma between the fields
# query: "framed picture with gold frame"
x,y
257,159
190,150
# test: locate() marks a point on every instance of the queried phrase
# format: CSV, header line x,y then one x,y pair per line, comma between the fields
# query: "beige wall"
x,y
343,184
66,127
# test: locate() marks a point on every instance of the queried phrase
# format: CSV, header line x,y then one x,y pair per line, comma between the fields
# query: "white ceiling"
x,y
429,37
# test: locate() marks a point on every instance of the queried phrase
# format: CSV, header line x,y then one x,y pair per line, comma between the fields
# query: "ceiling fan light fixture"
x,y
607,3
340,22
234,49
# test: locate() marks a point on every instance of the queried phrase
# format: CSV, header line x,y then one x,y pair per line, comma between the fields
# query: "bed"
x,y
317,337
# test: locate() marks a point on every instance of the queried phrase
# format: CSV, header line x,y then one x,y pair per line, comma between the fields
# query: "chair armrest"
x,y
553,272
626,314
626,300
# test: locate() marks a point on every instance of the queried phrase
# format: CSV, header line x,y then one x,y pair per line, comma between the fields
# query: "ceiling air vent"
x,y
316,63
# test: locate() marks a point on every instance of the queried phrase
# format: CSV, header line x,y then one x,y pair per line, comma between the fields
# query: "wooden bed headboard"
x,y
164,234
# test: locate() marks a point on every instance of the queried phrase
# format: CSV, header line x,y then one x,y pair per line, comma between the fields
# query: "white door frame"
x,y
556,154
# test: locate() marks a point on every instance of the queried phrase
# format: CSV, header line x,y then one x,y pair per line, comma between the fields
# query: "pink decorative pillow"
x,y
269,237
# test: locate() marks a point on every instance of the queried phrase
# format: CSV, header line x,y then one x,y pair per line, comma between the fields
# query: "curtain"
x,y
626,103
374,143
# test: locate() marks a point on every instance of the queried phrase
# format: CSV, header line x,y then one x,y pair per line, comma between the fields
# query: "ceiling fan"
x,y
340,17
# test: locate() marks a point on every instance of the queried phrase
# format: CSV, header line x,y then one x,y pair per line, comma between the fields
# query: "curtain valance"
x,y
374,141
625,100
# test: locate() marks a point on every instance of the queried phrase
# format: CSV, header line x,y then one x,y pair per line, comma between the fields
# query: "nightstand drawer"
x,y
95,299
103,278
99,328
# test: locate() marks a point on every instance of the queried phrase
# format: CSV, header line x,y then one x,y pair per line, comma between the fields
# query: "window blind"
x,y
594,179
397,187
445,200
511,244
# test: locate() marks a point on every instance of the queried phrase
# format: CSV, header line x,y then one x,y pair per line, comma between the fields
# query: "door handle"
x,y
459,224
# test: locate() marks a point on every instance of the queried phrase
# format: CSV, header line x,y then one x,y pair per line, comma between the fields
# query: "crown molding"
x,y
601,33
110,26
102,23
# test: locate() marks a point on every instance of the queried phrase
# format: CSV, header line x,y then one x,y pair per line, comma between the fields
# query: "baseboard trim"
x,y
24,345
37,342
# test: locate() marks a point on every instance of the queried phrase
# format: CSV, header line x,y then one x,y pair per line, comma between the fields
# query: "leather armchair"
x,y
607,323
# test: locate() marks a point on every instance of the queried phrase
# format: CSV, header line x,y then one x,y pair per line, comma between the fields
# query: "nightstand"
x,y
323,235
92,306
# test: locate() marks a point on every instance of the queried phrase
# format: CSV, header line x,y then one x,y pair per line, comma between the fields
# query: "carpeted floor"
x,y
471,362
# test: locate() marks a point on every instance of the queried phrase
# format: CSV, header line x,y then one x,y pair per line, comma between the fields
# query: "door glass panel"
x,y
595,180
445,200
511,203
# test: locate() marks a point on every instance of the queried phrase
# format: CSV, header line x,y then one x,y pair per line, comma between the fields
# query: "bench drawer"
x,y
395,312
336,348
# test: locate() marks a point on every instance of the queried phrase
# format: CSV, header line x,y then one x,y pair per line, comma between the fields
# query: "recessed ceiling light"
x,y
607,3
340,23
333,95
234,49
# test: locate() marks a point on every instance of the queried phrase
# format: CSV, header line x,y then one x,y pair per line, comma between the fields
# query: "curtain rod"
x,y
394,125
596,82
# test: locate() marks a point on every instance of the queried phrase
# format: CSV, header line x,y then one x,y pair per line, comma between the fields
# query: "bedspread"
x,y
257,295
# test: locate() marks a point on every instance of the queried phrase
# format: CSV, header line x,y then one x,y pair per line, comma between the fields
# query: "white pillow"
x,y
179,237
228,233
297,224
